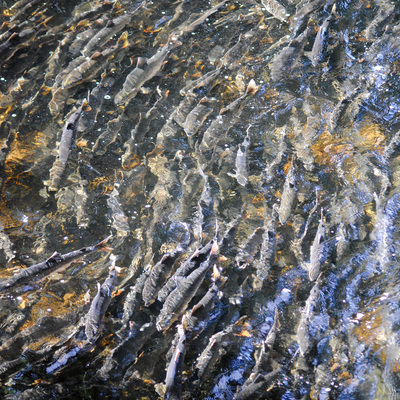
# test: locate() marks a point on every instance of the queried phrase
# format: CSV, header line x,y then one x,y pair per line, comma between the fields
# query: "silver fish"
x,y
242,162
268,246
185,269
158,275
39,271
303,334
289,196
260,386
173,379
262,356
100,304
186,288
317,251
319,42
198,115
103,35
144,71
68,135
276,9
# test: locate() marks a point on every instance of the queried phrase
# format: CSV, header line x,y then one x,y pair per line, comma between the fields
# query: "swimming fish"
x,y
68,135
317,252
38,271
320,40
289,195
100,303
186,288
144,71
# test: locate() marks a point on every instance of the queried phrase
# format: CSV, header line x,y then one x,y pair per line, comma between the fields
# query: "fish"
x,y
317,51
269,170
204,81
216,349
268,246
185,269
258,389
120,221
173,379
196,320
198,19
317,251
109,136
158,275
100,303
68,135
5,131
39,271
297,20
262,356
250,248
89,67
242,162
303,334
186,288
103,35
204,210
289,195
283,63
144,71
338,110
276,9
198,115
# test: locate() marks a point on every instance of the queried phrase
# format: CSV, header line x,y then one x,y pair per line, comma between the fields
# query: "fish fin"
x,y
55,257
141,62
216,275
123,42
252,88
101,245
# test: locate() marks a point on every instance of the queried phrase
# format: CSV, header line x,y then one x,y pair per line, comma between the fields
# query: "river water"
x,y
243,154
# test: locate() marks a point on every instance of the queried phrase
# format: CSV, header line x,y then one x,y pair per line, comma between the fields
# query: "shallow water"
x,y
235,126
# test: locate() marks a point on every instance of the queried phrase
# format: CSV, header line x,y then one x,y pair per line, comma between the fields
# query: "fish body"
x,y
185,269
100,304
56,261
317,252
276,9
141,74
198,115
186,288
173,380
260,386
289,195
320,40
303,334
196,319
68,135
158,276
268,246
106,33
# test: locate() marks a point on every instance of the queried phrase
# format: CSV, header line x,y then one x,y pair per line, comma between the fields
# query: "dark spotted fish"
x,y
177,301
317,251
39,271
68,135
100,304
276,9
144,71
317,51
185,269
158,275
173,380
289,195
303,333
